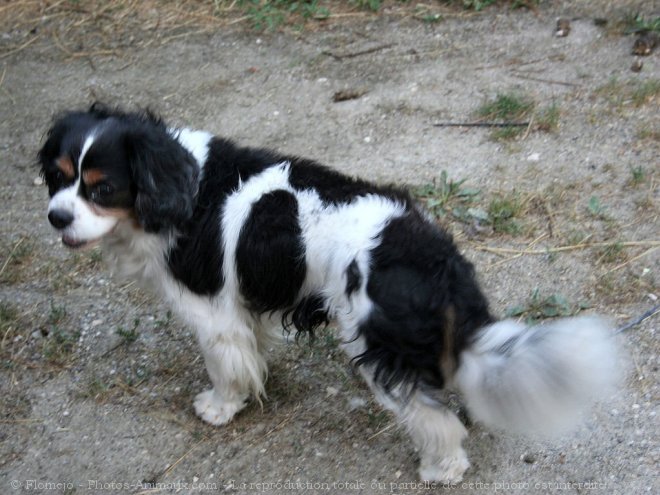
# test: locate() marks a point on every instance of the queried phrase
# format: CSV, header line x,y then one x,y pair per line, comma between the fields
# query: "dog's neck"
x,y
136,255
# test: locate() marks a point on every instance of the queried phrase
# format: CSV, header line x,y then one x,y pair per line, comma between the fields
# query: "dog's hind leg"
x,y
437,433
236,369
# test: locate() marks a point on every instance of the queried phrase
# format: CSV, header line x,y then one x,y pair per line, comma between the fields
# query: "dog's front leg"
x,y
235,368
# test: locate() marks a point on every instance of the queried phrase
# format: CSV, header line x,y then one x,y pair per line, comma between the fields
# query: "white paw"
x,y
448,470
213,409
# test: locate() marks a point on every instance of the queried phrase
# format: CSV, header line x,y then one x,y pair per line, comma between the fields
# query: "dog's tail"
x,y
537,379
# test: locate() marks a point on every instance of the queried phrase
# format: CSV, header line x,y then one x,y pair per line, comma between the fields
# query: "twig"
x,y
560,249
648,251
380,432
366,51
20,421
651,312
22,47
481,124
547,81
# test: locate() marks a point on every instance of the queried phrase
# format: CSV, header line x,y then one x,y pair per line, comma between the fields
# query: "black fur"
x,y
422,288
270,255
353,278
306,316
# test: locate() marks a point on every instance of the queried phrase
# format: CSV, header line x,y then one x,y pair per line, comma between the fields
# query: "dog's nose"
x,y
60,218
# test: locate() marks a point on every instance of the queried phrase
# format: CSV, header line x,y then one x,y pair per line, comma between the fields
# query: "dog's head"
x,y
103,167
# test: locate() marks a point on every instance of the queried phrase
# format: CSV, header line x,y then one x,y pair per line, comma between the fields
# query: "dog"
x,y
242,242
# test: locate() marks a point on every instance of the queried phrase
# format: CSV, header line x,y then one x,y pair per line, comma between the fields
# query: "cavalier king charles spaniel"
x,y
242,242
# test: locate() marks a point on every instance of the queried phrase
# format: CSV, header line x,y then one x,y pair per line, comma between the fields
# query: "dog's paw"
x,y
447,471
215,410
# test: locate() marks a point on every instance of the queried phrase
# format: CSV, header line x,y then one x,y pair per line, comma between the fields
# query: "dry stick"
x,y
22,47
560,249
547,81
481,124
651,312
388,427
648,251
366,51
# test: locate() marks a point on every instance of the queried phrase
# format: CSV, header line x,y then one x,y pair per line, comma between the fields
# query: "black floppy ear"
x,y
165,176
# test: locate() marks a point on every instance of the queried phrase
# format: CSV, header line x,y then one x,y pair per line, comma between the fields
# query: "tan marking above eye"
x,y
92,176
66,167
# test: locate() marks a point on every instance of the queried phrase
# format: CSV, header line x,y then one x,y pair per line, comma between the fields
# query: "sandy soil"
x,y
98,379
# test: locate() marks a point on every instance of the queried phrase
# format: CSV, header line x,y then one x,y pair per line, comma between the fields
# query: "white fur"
x,y
537,379
196,142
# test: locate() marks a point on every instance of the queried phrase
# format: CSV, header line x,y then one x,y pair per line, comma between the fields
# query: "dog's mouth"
x,y
73,243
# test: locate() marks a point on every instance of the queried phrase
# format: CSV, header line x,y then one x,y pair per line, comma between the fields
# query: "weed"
x,y
611,253
164,322
59,345
548,118
596,208
269,15
60,342
620,95
446,196
373,5
539,307
477,5
96,389
129,335
651,132
9,318
645,92
637,176
636,23
506,107
17,261
378,420
502,213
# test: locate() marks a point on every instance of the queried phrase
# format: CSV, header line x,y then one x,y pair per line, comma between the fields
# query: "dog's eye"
x,y
100,192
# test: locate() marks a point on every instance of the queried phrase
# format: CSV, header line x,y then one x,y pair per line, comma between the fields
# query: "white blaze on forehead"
x,y
85,148
87,225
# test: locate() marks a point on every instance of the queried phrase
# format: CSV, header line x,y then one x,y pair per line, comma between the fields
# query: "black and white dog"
x,y
241,241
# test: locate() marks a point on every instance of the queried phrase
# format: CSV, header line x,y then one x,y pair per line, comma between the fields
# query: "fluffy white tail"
x,y
537,379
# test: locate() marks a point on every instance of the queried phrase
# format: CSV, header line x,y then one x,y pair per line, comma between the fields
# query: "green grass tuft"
x,y
539,307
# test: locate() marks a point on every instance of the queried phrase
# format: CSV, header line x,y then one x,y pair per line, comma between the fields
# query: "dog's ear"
x,y
165,177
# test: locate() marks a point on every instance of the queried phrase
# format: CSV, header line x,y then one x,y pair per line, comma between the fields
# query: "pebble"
x,y
38,181
356,403
331,391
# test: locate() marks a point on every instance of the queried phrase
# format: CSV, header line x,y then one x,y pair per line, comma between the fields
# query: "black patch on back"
x,y
196,259
417,278
270,255
334,187
353,278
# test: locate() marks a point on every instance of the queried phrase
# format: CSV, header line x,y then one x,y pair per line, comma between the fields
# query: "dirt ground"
x,y
98,379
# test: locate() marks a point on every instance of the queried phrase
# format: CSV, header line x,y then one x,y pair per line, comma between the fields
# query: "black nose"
x,y
60,218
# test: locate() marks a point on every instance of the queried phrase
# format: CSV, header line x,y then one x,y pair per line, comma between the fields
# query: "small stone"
x,y
356,403
563,28
331,391
637,65
528,458
38,181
